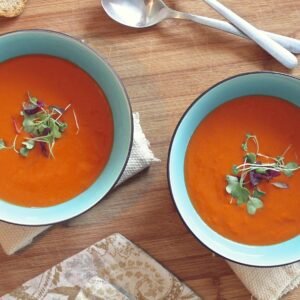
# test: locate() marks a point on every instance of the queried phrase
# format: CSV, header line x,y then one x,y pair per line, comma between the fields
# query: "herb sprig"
x,y
42,125
243,184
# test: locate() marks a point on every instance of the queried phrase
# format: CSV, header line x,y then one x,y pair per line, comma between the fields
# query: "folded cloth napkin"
x,y
268,283
113,266
14,237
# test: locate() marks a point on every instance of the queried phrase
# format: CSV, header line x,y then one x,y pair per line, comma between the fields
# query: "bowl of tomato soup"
x,y
233,168
65,127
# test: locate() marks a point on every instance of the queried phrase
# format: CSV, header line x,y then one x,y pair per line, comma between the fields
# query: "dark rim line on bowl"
x,y
169,154
127,100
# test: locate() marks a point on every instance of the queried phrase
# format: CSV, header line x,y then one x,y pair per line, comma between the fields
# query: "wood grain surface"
x,y
164,68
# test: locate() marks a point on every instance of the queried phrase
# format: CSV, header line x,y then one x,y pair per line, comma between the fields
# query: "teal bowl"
x,y
258,83
26,42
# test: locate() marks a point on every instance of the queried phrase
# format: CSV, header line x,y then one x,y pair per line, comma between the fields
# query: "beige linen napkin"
x,y
14,237
113,266
268,283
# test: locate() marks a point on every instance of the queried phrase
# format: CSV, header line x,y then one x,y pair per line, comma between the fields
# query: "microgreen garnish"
x,y
42,125
253,204
257,193
24,151
281,185
14,144
16,126
76,121
256,168
2,144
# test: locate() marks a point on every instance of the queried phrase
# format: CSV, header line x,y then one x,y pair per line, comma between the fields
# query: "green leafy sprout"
x,y
42,125
243,184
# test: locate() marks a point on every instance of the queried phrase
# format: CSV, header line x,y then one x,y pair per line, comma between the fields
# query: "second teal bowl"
x,y
260,83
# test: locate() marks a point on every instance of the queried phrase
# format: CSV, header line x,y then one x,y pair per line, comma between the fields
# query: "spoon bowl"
x,y
136,13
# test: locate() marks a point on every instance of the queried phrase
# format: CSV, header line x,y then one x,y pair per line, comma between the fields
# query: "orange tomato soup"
x,y
38,181
216,146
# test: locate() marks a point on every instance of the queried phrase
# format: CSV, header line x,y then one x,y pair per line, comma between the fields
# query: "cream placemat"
x,y
14,237
111,266
268,283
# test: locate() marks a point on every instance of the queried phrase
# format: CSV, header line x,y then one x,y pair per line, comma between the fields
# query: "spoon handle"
x,y
289,43
273,48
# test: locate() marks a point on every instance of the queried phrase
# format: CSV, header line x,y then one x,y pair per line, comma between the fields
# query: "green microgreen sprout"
x,y
2,144
41,124
243,184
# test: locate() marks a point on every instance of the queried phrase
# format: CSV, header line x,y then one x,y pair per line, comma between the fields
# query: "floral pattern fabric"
x,y
99,289
113,268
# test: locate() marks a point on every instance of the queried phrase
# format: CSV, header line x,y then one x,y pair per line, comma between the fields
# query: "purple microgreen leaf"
x,y
272,173
44,149
40,104
267,175
255,178
46,131
30,108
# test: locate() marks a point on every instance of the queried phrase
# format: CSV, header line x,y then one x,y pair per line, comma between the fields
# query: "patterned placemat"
x,y
113,268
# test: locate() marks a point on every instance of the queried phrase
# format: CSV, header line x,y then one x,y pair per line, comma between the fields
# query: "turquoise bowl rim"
x,y
262,261
66,215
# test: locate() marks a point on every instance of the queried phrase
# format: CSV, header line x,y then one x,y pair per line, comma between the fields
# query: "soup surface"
x,y
216,146
36,180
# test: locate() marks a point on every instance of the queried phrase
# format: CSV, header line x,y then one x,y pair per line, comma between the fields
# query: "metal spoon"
x,y
146,13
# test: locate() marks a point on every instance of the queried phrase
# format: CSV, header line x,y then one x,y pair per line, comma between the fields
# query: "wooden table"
x,y
164,68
